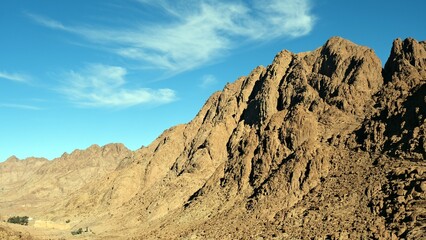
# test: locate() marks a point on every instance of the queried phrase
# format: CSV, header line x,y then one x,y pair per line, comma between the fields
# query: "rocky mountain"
x,y
325,144
13,171
33,185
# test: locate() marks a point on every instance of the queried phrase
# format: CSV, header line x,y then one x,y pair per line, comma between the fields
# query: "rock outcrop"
x,y
398,127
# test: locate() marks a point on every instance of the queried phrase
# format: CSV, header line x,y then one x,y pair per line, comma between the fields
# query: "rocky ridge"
x,y
324,144
35,184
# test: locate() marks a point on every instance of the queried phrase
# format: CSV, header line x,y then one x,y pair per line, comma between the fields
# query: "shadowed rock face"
x,y
398,127
321,144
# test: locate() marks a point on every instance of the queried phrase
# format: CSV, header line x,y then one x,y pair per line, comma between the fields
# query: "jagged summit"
x,y
407,61
12,159
320,144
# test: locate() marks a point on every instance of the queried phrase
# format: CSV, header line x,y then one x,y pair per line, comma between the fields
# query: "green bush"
x,y
18,220
76,232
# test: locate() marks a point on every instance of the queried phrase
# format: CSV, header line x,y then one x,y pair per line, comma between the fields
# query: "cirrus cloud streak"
x,y
105,86
197,32
16,77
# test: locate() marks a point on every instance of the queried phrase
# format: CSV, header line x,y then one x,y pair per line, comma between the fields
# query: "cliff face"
x,y
397,128
324,144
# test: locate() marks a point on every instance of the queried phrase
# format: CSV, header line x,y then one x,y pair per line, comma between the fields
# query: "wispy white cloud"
x,y
208,81
17,77
105,86
19,106
48,22
197,32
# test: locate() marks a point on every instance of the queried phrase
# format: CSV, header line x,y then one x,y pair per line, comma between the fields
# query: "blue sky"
x,y
75,73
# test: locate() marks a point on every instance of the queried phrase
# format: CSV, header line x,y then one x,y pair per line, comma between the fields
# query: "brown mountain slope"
x,y
9,234
34,185
318,145
14,171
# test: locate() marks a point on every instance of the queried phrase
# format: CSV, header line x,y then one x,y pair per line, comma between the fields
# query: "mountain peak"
x,y
12,159
407,57
336,40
